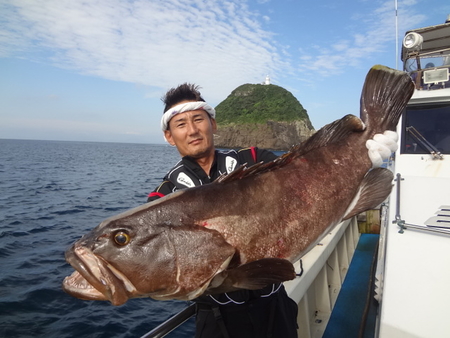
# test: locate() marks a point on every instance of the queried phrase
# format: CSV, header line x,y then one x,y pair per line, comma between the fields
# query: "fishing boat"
x,y
406,278
411,268
414,263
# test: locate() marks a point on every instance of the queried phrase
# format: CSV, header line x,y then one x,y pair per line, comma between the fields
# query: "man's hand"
x,y
381,147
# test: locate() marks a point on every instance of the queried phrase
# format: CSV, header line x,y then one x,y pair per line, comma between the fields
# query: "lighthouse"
x,y
267,82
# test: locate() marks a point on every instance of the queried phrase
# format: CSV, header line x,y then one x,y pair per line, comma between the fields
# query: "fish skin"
x,y
218,237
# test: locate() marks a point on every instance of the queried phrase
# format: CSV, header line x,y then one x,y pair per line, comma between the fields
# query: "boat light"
x,y
435,76
412,40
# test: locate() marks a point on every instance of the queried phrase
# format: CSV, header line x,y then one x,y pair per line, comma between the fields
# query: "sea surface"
x,y
51,193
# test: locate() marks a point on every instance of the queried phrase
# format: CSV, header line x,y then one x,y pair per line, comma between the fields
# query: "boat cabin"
x,y
414,255
426,122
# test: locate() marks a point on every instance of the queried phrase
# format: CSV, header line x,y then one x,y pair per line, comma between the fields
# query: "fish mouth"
x,y
95,279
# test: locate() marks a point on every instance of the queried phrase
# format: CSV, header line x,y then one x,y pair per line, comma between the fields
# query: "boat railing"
x,y
324,270
172,323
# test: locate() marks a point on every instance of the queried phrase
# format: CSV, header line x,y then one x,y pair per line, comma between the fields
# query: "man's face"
x,y
192,133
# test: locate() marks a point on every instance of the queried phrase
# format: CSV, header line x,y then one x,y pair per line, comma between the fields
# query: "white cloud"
x,y
152,43
218,44
375,34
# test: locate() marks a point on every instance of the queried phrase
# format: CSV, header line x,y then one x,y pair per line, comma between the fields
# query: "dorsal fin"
x,y
245,171
329,134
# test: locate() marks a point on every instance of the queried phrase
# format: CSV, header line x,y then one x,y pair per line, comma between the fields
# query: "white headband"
x,y
184,107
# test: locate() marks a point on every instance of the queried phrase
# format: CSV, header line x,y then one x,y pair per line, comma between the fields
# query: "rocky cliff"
x,y
266,116
274,135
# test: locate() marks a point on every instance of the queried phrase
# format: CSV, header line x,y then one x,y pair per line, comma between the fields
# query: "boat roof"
x,y
435,38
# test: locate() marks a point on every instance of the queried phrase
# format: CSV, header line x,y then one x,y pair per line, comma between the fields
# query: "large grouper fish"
x,y
246,229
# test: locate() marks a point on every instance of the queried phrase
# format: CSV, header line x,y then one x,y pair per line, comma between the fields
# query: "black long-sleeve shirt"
x,y
188,173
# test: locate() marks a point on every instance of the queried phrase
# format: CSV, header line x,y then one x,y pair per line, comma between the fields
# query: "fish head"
x,y
123,258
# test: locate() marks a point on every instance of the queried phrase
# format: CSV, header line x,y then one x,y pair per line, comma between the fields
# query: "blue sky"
x,y
96,70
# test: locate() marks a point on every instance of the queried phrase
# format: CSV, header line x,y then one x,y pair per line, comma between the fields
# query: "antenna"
x,y
396,36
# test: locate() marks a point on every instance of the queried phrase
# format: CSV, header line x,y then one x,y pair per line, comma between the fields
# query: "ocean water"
x,y
51,193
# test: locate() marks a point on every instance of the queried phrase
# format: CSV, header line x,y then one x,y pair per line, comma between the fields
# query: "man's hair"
x,y
184,92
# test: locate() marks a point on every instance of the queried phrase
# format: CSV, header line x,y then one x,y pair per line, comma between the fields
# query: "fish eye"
x,y
121,238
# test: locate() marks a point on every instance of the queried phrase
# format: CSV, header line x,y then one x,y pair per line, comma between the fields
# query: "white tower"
x,y
267,82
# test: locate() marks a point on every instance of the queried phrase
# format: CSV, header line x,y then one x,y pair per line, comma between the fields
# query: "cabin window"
x,y
426,128
425,62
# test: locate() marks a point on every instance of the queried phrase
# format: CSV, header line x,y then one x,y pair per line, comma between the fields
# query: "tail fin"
x,y
385,94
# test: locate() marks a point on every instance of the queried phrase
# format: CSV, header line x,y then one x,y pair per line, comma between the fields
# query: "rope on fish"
x,y
301,269
273,290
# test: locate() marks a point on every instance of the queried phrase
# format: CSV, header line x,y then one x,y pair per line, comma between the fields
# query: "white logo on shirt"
x,y
230,164
185,180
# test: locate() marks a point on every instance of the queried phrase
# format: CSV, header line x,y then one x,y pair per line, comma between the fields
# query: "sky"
x,y
95,70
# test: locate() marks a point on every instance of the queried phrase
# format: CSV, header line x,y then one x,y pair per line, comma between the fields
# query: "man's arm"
x,y
165,188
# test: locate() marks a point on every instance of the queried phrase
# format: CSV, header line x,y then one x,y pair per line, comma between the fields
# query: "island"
x,y
263,115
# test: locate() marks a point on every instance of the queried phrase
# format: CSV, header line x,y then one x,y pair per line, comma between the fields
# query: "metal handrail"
x,y
403,225
424,142
172,323
397,204
425,229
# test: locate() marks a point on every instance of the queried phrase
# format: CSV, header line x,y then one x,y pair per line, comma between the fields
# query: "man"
x,y
189,124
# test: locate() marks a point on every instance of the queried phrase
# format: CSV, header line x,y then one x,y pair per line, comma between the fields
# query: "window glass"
x,y
426,128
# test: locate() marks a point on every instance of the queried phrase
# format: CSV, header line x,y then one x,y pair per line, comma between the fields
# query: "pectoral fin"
x,y
374,189
253,276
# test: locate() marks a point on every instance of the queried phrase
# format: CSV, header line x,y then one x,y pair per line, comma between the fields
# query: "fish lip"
x,y
76,285
95,278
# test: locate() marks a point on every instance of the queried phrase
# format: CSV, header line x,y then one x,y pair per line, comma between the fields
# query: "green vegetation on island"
x,y
257,103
